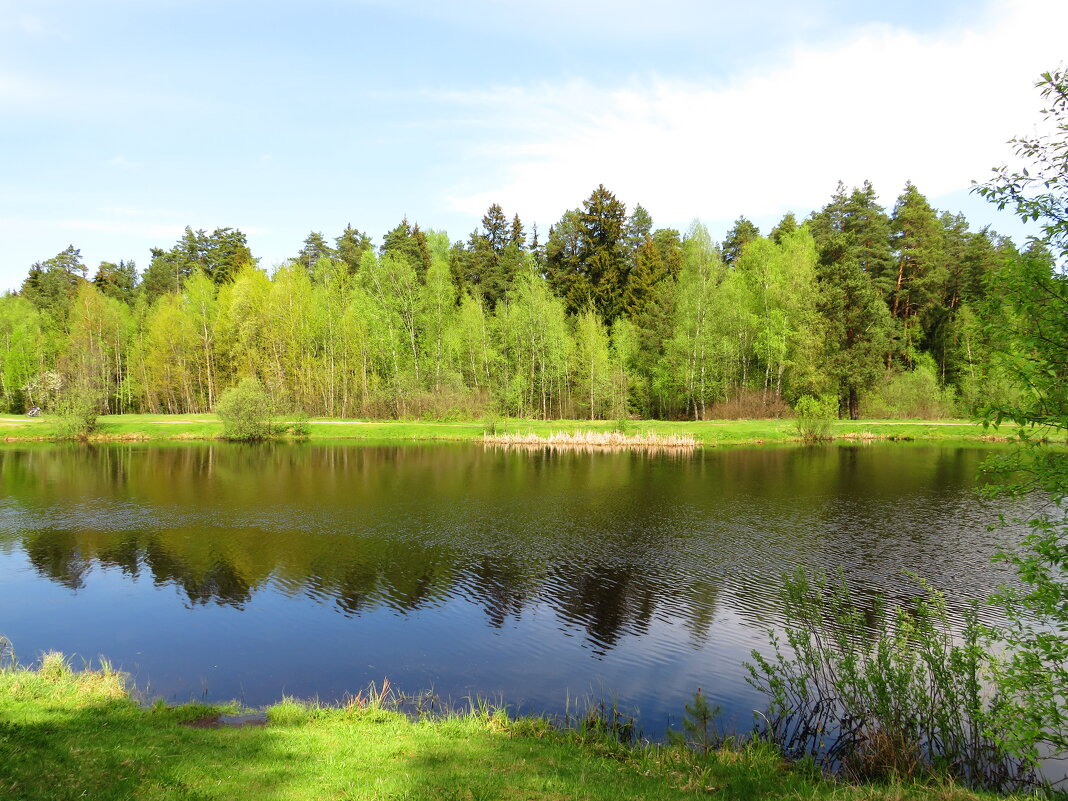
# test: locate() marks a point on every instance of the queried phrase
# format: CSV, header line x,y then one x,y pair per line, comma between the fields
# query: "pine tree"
x,y
602,257
351,246
315,248
638,229
855,318
741,234
919,246
787,225
118,281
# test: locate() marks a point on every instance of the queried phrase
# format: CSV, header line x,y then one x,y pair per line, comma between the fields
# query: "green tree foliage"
x,y
494,256
408,242
699,725
611,317
787,225
1038,192
52,284
535,346
315,248
919,245
586,257
1032,343
220,255
351,246
854,251
22,354
117,281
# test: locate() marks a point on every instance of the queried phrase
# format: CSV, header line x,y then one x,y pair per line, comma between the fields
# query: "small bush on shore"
x,y
814,418
245,411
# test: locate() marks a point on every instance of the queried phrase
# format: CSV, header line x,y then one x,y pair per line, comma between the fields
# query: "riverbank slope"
x,y
66,734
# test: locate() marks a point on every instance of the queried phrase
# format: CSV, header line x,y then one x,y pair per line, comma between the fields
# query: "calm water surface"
x,y
249,572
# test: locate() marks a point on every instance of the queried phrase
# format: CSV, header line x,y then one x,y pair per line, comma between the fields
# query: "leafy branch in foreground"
x,y
1034,337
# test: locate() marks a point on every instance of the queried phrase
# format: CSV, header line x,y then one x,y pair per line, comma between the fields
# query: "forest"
x,y
892,313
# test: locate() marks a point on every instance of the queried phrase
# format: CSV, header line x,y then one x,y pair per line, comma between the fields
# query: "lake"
x,y
223,571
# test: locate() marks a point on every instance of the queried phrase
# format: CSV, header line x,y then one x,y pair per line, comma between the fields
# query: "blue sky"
x,y
122,121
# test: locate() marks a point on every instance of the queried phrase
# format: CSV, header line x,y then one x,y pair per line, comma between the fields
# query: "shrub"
x,y
245,411
885,694
77,413
914,393
749,405
297,425
815,417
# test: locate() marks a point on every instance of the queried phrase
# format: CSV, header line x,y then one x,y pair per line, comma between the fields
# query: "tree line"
x,y
888,311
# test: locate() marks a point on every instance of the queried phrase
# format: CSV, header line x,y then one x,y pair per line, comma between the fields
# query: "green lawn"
x,y
712,432
78,735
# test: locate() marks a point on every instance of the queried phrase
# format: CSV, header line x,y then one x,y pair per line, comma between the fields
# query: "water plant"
x,y
876,693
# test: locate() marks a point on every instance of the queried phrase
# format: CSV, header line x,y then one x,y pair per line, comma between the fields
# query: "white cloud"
x,y
123,163
886,104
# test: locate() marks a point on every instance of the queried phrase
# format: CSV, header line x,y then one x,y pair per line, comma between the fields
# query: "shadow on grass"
x,y
112,749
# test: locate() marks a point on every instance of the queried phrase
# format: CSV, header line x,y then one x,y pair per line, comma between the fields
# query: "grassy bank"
x,y
74,735
711,432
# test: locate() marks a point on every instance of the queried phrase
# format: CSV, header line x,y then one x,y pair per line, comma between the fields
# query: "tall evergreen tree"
x,y
52,283
741,234
518,235
646,272
315,248
638,229
855,318
118,281
409,242
919,247
586,258
351,246
786,226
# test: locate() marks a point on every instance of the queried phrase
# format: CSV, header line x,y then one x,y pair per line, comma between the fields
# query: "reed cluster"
x,y
595,439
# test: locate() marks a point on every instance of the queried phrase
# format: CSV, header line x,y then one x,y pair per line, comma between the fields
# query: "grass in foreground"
x,y
709,432
72,735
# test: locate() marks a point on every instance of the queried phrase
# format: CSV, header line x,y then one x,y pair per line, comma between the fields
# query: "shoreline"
x,y
710,433
68,734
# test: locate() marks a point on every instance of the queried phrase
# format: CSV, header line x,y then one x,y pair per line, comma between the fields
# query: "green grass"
x,y
72,735
711,432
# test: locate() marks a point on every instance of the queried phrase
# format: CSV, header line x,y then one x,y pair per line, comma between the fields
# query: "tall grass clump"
x,y
7,653
814,418
885,694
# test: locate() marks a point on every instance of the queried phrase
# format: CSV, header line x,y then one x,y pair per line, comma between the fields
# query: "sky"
x,y
123,121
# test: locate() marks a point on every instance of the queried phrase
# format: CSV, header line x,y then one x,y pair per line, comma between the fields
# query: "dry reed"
x,y
611,440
